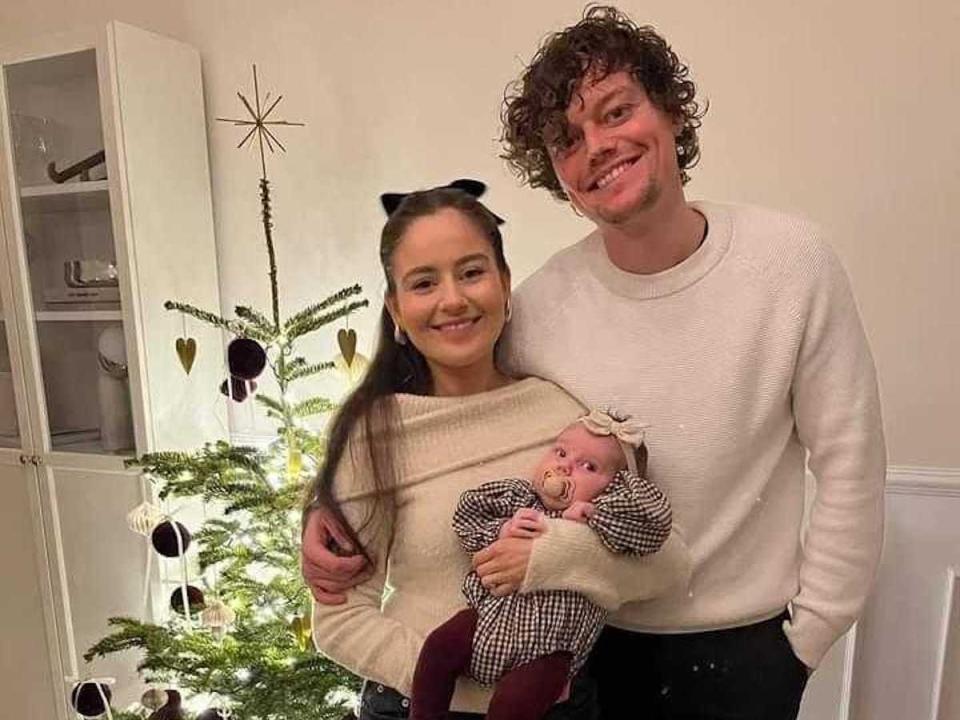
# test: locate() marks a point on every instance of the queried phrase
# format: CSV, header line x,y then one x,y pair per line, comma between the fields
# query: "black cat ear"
x,y
475,188
391,201
471,187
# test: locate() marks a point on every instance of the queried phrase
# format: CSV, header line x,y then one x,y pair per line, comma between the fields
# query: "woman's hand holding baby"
x,y
525,523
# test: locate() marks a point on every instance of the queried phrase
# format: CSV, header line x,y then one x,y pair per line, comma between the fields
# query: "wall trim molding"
x,y
909,480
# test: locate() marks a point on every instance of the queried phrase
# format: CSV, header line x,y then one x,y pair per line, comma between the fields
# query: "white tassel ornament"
x,y
217,616
144,518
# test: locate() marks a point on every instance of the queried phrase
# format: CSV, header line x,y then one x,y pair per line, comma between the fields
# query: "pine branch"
x,y
265,331
124,715
216,471
312,310
254,317
271,403
131,634
313,322
295,363
234,326
259,497
309,370
313,406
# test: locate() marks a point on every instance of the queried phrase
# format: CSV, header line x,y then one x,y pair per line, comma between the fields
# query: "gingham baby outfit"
x,y
632,517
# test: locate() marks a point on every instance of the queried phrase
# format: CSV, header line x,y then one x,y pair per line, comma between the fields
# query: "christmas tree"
x,y
238,631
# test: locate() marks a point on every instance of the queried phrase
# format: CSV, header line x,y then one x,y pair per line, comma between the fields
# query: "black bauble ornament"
x,y
172,710
239,388
194,597
246,358
164,538
86,699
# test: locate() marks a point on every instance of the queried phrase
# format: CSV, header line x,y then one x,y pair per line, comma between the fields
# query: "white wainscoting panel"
x,y
907,640
947,694
827,696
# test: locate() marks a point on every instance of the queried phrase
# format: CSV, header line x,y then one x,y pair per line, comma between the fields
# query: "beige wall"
x,y
845,112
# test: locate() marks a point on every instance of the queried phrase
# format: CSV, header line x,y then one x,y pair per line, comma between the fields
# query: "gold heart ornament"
x,y
347,340
187,352
302,632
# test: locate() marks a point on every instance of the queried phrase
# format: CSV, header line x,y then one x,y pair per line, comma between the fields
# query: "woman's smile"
x,y
456,326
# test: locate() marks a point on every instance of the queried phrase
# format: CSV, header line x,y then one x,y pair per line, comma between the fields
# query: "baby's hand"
x,y
525,523
579,511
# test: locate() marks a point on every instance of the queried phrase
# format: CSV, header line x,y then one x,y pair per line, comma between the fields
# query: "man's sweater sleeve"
x,y
607,579
837,411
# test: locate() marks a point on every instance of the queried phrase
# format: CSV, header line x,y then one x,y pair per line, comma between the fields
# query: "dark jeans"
x,y
379,702
745,673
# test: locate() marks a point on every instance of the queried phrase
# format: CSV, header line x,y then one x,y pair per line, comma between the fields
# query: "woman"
x,y
433,417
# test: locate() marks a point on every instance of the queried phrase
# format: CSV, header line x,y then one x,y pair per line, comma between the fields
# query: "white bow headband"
x,y
628,432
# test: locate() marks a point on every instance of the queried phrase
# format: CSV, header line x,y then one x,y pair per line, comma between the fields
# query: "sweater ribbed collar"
x,y
668,281
417,406
443,434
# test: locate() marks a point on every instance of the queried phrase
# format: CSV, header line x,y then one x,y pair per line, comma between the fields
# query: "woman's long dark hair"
x,y
395,368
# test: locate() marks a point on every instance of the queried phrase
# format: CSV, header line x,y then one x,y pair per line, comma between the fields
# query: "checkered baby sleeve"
x,y
633,516
481,512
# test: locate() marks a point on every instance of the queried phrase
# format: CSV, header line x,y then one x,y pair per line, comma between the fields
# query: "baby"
x,y
530,645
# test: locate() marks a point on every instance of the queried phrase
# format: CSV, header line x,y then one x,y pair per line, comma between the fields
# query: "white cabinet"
x,y
88,370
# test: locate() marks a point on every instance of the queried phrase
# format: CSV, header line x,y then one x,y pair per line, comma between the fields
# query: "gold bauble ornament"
x,y
154,698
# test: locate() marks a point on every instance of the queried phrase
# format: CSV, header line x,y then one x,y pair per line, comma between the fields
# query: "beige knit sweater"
x,y
743,358
451,444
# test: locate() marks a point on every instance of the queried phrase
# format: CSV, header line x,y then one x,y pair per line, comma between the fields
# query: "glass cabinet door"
x,y
9,428
67,234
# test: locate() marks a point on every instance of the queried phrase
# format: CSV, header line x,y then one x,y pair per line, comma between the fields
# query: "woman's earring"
x,y
398,336
508,313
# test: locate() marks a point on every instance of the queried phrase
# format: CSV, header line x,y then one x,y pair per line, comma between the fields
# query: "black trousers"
x,y
745,673
379,702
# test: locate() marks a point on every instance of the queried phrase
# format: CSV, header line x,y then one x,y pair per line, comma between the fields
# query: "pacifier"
x,y
555,485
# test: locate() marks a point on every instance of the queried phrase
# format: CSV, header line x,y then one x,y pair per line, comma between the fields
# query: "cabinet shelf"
x,y
79,316
66,197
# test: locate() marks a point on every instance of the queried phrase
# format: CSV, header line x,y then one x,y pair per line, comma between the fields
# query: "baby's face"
x,y
578,467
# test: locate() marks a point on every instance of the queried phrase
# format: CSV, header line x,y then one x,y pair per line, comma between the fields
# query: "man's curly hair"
x,y
605,41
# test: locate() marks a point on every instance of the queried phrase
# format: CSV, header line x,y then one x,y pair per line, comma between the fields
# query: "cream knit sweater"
x,y
743,358
451,444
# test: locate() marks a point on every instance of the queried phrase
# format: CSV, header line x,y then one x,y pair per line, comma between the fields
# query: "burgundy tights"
x,y
526,692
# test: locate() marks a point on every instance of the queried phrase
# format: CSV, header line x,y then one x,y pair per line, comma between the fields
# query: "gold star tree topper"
x,y
258,122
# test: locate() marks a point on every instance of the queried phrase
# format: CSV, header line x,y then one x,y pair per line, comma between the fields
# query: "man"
x,y
732,331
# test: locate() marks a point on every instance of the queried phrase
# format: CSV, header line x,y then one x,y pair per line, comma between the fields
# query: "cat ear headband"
x,y
391,201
